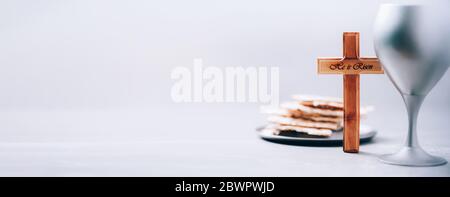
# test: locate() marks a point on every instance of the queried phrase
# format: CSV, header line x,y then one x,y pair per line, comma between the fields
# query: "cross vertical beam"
x,y
351,113
351,95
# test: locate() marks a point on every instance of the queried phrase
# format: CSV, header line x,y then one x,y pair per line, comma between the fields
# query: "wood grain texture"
x,y
351,95
351,114
351,45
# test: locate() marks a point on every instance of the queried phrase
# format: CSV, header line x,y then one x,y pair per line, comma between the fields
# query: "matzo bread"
x,y
276,129
311,110
299,114
320,102
303,123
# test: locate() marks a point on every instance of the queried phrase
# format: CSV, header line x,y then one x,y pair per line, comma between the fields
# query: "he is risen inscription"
x,y
350,65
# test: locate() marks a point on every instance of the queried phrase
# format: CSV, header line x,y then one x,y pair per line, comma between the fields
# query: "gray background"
x,y
85,88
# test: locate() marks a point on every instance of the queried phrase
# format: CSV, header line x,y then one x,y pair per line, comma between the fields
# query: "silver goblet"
x,y
413,44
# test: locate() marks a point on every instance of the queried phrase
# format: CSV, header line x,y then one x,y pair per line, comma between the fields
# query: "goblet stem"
x,y
412,154
413,103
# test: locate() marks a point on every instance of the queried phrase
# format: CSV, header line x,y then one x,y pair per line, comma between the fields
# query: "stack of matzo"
x,y
310,115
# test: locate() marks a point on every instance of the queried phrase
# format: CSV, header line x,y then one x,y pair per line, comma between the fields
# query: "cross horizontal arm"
x,y
349,66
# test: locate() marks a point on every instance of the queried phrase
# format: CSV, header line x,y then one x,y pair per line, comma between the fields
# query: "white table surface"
x,y
194,140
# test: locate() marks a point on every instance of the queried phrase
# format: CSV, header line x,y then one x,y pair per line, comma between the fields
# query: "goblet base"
x,y
412,156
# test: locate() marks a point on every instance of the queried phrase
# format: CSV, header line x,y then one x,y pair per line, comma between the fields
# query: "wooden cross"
x,y
351,65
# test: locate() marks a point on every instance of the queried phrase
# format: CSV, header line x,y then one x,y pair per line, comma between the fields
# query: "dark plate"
x,y
295,138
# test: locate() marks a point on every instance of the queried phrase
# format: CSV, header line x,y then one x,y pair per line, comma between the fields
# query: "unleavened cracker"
x,y
303,123
300,114
320,102
312,111
309,131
